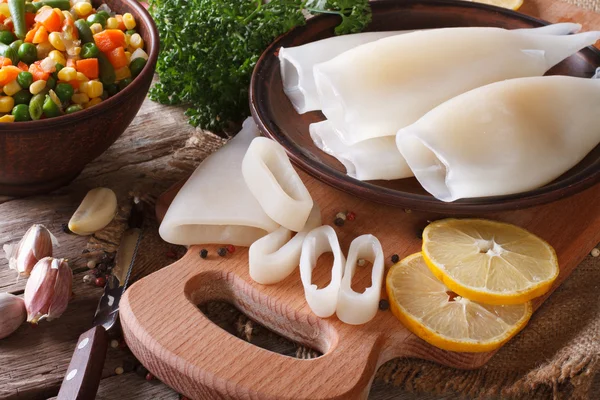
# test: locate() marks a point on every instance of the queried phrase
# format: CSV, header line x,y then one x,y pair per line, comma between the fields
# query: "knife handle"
x,y
85,370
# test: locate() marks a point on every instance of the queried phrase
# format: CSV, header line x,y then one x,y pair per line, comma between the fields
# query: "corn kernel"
x,y
4,10
95,89
37,86
67,74
83,9
80,98
112,23
129,21
81,77
127,38
57,57
122,73
6,104
75,51
68,15
11,88
7,117
128,55
92,102
139,53
43,49
136,41
84,87
56,41
96,28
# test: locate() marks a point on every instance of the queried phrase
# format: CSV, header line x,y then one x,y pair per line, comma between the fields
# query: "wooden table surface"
x,y
155,152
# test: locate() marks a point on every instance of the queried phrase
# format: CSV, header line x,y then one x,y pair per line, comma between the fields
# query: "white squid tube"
x,y
371,159
275,256
322,302
215,205
275,184
359,308
380,87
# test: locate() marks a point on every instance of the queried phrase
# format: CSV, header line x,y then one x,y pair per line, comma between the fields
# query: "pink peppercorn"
x,y
100,281
230,248
350,216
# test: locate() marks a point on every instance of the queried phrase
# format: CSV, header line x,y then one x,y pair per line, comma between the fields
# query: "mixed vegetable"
x,y
61,56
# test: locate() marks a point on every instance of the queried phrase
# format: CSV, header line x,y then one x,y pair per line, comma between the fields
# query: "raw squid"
x,y
377,88
215,205
359,308
276,185
297,63
275,256
504,138
371,159
323,239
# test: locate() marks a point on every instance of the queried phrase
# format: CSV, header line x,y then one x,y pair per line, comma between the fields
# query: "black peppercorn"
x,y
203,253
65,229
384,304
222,251
395,258
339,222
140,370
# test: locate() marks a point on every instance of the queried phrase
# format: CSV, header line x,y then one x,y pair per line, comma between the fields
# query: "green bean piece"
x,y
25,79
97,19
22,97
8,52
6,37
51,82
136,66
64,5
89,50
36,106
51,109
17,13
85,33
64,91
105,14
28,53
58,67
21,113
130,31
107,71
73,108
30,8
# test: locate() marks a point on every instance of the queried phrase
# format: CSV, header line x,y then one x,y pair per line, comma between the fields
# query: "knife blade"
x,y
85,369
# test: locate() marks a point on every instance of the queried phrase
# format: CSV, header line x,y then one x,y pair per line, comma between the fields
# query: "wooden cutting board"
x,y
169,334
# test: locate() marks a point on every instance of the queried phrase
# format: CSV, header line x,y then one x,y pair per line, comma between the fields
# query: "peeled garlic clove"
x,y
12,314
35,245
48,289
98,208
322,302
359,308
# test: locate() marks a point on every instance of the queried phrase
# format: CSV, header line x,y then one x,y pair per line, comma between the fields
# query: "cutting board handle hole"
x,y
207,288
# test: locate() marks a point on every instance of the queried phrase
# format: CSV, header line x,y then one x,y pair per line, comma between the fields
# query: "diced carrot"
x,y
2,18
117,57
41,35
88,67
75,83
8,24
119,18
4,61
50,19
38,73
8,74
22,66
29,19
31,33
71,63
109,39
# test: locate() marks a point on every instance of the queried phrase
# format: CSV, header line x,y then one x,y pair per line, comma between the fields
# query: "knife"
x,y
85,369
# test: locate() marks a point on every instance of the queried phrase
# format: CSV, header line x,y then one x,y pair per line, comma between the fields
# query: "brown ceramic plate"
x,y
277,119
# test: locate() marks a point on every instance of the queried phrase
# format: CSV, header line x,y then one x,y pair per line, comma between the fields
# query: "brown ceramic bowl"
x,y
277,119
39,156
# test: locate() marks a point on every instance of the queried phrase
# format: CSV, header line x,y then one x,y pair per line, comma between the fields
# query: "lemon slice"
x,y
428,309
489,262
510,4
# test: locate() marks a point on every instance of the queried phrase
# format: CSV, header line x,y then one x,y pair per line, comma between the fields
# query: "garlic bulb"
x,y
48,289
12,314
97,209
35,245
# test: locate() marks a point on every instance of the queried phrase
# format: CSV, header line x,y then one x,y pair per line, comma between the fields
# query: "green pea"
x,y
22,97
73,108
27,53
21,113
89,50
124,83
64,91
51,82
111,89
6,37
15,45
35,106
130,31
105,14
50,108
136,66
97,19
25,79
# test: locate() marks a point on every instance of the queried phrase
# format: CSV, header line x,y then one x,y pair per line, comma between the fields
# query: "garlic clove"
x,y
97,209
48,289
12,314
35,245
